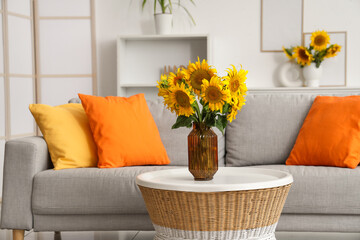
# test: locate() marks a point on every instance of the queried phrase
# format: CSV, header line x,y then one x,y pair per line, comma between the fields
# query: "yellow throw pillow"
x,y
67,133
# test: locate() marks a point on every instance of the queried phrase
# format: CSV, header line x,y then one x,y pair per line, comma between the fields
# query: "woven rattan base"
x,y
264,233
248,214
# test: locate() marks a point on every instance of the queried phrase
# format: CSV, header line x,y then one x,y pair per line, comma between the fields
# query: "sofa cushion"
x,y
89,191
67,134
322,190
175,140
266,128
330,135
124,131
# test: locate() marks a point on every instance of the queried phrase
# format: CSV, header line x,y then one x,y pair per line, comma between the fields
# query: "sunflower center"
x,y
303,55
319,40
213,94
197,76
182,99
234,85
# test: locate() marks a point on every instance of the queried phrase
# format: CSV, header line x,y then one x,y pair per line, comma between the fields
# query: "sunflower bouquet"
x,y
318,50
198,95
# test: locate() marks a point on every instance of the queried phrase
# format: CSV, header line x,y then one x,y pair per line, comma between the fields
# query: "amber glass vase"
x,y
203,152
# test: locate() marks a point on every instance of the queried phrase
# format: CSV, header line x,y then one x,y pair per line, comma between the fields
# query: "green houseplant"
x,y
163,20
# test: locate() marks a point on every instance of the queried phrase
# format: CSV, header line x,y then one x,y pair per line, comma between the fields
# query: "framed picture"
x,y
281,24
334,69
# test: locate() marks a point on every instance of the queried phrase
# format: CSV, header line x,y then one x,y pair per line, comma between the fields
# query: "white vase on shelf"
x,y
163,23
312,75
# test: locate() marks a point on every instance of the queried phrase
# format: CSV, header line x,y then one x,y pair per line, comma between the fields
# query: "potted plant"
x,y
201,99
310,58
163,20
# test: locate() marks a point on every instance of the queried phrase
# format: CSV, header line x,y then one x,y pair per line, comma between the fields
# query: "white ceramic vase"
x,y
312,75
163,23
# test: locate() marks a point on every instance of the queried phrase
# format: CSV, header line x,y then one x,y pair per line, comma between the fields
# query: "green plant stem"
x,y
197,109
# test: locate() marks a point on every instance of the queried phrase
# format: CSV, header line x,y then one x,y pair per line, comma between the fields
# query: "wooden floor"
x,y
133,235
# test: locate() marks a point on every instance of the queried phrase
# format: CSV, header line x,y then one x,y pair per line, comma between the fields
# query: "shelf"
x,y
303,90
141,59
137,85
163,37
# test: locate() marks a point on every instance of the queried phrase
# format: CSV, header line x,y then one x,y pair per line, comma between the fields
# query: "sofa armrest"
x,y
24,158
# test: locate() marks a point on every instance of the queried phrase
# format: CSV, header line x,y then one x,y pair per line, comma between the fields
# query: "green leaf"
x,y
221,123
226,108
219,126
183,121
170,6
210,119
143,4
195,106
289,51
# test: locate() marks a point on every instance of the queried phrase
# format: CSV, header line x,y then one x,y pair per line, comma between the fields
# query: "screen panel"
x,y
20,45
2,108
21,95
57,91
65,46
2,151
19,6
64,8
1,45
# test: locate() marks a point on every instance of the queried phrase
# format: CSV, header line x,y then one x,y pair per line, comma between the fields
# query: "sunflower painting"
x,y
198,95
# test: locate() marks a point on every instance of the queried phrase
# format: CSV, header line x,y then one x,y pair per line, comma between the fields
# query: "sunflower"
x,y
236,105
288,52
232,115
333,50
196,72
236,81
319,40
176,78
180,100
163,85
302,55
213,92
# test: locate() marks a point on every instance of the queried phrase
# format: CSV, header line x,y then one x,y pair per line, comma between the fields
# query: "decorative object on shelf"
x,y
163,23
312,75
220,99
163,20
312,56
168,69
290,75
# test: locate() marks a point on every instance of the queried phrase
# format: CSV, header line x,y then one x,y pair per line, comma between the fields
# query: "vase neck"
x,y
200,126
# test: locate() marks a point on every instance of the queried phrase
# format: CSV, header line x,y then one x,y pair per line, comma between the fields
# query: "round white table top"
x,y
226,179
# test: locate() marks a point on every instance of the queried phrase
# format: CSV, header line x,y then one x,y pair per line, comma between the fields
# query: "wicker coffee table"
x,y
239,203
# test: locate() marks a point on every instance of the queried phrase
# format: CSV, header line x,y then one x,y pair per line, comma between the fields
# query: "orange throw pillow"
x,y
124,131
330,134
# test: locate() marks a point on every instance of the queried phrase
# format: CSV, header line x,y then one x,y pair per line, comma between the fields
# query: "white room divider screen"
x,y
65,49
17,71
47,55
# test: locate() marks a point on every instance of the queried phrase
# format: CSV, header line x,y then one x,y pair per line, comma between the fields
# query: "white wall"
x,y
234,26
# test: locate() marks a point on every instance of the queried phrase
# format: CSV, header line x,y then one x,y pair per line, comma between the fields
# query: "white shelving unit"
x,y
141,59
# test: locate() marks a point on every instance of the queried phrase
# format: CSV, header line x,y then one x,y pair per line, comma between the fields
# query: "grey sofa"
x,y
321,198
